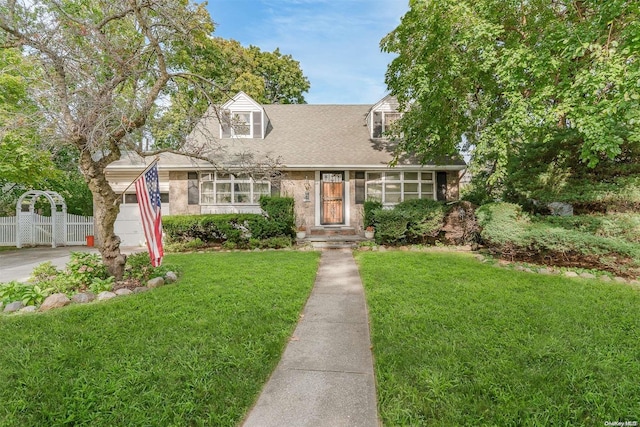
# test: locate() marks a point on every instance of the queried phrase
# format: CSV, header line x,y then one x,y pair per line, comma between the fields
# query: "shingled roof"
x,y
302,136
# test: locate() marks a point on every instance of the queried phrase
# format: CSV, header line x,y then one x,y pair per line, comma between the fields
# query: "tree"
x,y
106,71
267,77
519,81
22,162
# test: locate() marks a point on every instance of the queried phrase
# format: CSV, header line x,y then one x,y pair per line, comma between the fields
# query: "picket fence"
x,y
38,230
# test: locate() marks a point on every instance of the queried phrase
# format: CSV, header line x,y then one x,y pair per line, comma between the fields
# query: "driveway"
x,y
19,263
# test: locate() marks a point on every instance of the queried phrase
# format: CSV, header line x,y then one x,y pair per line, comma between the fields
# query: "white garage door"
x,y
129,227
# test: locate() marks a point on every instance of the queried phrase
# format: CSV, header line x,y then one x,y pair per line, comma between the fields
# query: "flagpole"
x,y
133,182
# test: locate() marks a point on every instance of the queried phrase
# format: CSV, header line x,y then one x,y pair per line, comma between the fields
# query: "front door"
x,y
332,194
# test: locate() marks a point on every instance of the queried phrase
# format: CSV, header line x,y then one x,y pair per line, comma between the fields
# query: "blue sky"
x,y
335,41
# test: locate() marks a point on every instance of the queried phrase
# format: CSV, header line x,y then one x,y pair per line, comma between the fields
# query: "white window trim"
x,y
383,179
232,130
384,119
206,177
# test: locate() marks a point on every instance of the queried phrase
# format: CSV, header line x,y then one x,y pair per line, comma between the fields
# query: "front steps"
x,y
332,237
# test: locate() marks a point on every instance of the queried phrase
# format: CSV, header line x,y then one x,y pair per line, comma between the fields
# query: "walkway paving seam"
x,y
325,376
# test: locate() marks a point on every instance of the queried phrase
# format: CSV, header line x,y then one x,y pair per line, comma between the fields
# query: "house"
x,y
329,158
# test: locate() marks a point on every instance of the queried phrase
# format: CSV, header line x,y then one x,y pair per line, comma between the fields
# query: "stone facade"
x,y
179,194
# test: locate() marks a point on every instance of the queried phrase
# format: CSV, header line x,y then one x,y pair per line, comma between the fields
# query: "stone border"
x,y
58,300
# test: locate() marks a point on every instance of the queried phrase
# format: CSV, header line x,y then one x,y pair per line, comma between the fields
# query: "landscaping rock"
x,y
620,279
587,275
560,209
140,289
123,291
102,296
14,306
155,282
55,301
571,274
528,270
544,271
382,248
83,297
519,268
170,277
605,278
28,309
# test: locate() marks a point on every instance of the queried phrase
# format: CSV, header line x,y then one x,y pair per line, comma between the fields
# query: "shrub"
x,y
11,291
412,221
280,211
139,267
101,285
426,218
391,226
370,207
234,229
83,267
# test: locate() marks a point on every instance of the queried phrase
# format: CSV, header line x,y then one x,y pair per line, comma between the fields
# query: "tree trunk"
x,y
106,206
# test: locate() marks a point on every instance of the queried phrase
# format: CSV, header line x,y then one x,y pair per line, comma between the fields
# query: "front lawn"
x,y
194,353
458,342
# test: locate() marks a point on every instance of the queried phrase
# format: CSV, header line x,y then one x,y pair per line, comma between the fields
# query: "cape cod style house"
x,y
329,158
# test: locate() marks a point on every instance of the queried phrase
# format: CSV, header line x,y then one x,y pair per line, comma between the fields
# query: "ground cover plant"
x,y
458,342
589,241
192,353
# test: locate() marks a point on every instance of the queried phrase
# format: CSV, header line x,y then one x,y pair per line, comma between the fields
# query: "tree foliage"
x,y
555,84
22,162
104,75
268,77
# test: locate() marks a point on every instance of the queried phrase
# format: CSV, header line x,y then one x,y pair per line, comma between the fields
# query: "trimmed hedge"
x,y
412,221
234,230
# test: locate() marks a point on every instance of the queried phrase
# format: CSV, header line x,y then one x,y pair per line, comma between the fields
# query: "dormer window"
x,y
382,121
242,117
242,124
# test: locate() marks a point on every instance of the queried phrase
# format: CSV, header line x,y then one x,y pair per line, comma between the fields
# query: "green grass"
x,y
457,342
193,353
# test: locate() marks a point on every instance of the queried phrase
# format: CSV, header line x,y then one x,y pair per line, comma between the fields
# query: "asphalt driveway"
x,y
17,264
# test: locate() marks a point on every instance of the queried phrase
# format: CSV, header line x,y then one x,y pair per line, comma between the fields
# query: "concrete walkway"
x,y
325,376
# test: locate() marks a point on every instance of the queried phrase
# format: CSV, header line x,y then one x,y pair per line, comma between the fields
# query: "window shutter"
x,y
359,179
377,124
193,192
225,124
257,124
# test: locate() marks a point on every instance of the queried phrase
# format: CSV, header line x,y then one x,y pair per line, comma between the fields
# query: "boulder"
x,y
605,278
170,277
83,297
571,274
55,301
123,291
102,296
560,209
14,306
620,279
140,289
28,309
587,275
155,282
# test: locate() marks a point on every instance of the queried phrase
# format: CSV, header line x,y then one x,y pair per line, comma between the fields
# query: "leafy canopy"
x,y
507,77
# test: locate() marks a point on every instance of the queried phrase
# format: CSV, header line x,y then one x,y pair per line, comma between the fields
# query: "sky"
x,y
337,42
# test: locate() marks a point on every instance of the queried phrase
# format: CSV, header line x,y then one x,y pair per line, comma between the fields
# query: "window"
x,y
241,124
224,188
382,121
394,186
130,198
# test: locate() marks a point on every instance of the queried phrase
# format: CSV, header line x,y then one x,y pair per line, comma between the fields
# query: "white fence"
x,y
37,230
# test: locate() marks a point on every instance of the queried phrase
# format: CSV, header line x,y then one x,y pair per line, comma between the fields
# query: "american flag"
x,y
147,189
